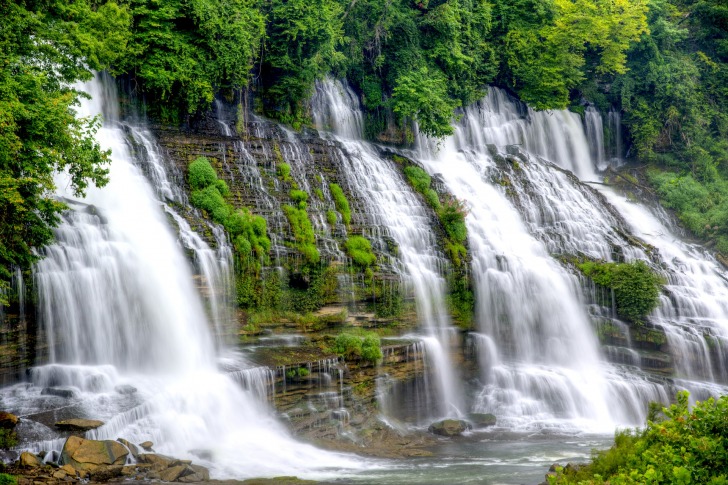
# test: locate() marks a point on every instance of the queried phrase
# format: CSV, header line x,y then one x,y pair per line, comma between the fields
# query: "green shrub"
x,y
8,438
201,174
299,197
418,178
211,200
222,187
6,479
331,217
319,193
359,249
302,233
432,199
283,170
342,205
452,216
636,286
686,447
352,347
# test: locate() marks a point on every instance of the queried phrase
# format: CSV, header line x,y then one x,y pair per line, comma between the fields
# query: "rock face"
x,y
7,420
78,424
481,420
147,445
58,391
449,427
88,455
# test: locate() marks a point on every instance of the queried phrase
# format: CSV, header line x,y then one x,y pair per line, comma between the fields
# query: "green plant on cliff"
x,y
7,479
303,235
354,347
247,231
686,447
341,203
635,285
360,251
8,438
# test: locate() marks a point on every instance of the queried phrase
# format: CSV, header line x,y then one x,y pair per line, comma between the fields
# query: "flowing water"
x,y
130,341
392,205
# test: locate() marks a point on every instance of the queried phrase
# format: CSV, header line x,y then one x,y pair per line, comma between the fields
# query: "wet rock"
x,y
78,424
59,391
69,470
88,455
7,420
29,460
147,445
125,389
449,427
156,459
105,473
171,474
131,446
482,420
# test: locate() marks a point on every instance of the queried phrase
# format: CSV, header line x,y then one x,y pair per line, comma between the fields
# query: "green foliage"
x,y
331,217
452,217
636,286
299,197
418,178
8,439
6,479
201,174
45,48
342,204
283,170
182,52
305,240
353,347
686,447
360,251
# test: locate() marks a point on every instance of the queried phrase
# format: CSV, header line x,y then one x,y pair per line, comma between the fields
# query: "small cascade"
x,y
130,342
393,207
614,145
594,128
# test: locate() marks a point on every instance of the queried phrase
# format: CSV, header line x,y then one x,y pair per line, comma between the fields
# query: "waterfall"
x,y
131,343
392,205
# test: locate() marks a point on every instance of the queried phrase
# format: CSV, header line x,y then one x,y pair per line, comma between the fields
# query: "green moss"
x,y
331,217
418,178
636,286
305,240
318,193
201,174
283,170
342,205
8,439
360,251
299,197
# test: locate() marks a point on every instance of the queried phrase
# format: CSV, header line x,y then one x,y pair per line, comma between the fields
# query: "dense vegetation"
x,y
687,446
635,287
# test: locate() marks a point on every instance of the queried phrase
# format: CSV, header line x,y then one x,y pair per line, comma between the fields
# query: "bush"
x,y
331,217
353,347
302,233
452,217
299,197
371,348
418,178
8,439
636,286
342,205
6,479
686,447
360,250
211,200
201,174
284,171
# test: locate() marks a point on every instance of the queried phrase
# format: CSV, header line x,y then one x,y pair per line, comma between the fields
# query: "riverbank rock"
x,y
7,420
29,460
133,449
482,420
449,427
78,424
125,389
58,391
147,445
89,455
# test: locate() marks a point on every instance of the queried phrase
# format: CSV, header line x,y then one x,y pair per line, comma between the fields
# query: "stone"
x,y
29,460
69,470
129,470
147,445
7,420
482,420
201,471
60,474
125,389
171,474
131,446
449,427
78,424
104,473
58,391
156,459
87,455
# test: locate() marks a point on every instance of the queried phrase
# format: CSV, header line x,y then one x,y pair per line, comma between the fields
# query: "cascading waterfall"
x,y
392,205
130,339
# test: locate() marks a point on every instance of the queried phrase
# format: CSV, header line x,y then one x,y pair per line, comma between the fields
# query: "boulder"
x,y
69,470
147,445
449,427
78,424
29,460
195,474
172,473
482,420
131,446
7,420
156,459
88,455
59,391
104,473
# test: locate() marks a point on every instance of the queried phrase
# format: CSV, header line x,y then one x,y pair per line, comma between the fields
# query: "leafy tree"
x,y
45,48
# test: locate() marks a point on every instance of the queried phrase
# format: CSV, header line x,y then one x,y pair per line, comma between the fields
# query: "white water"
x,y
392,205
116,296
